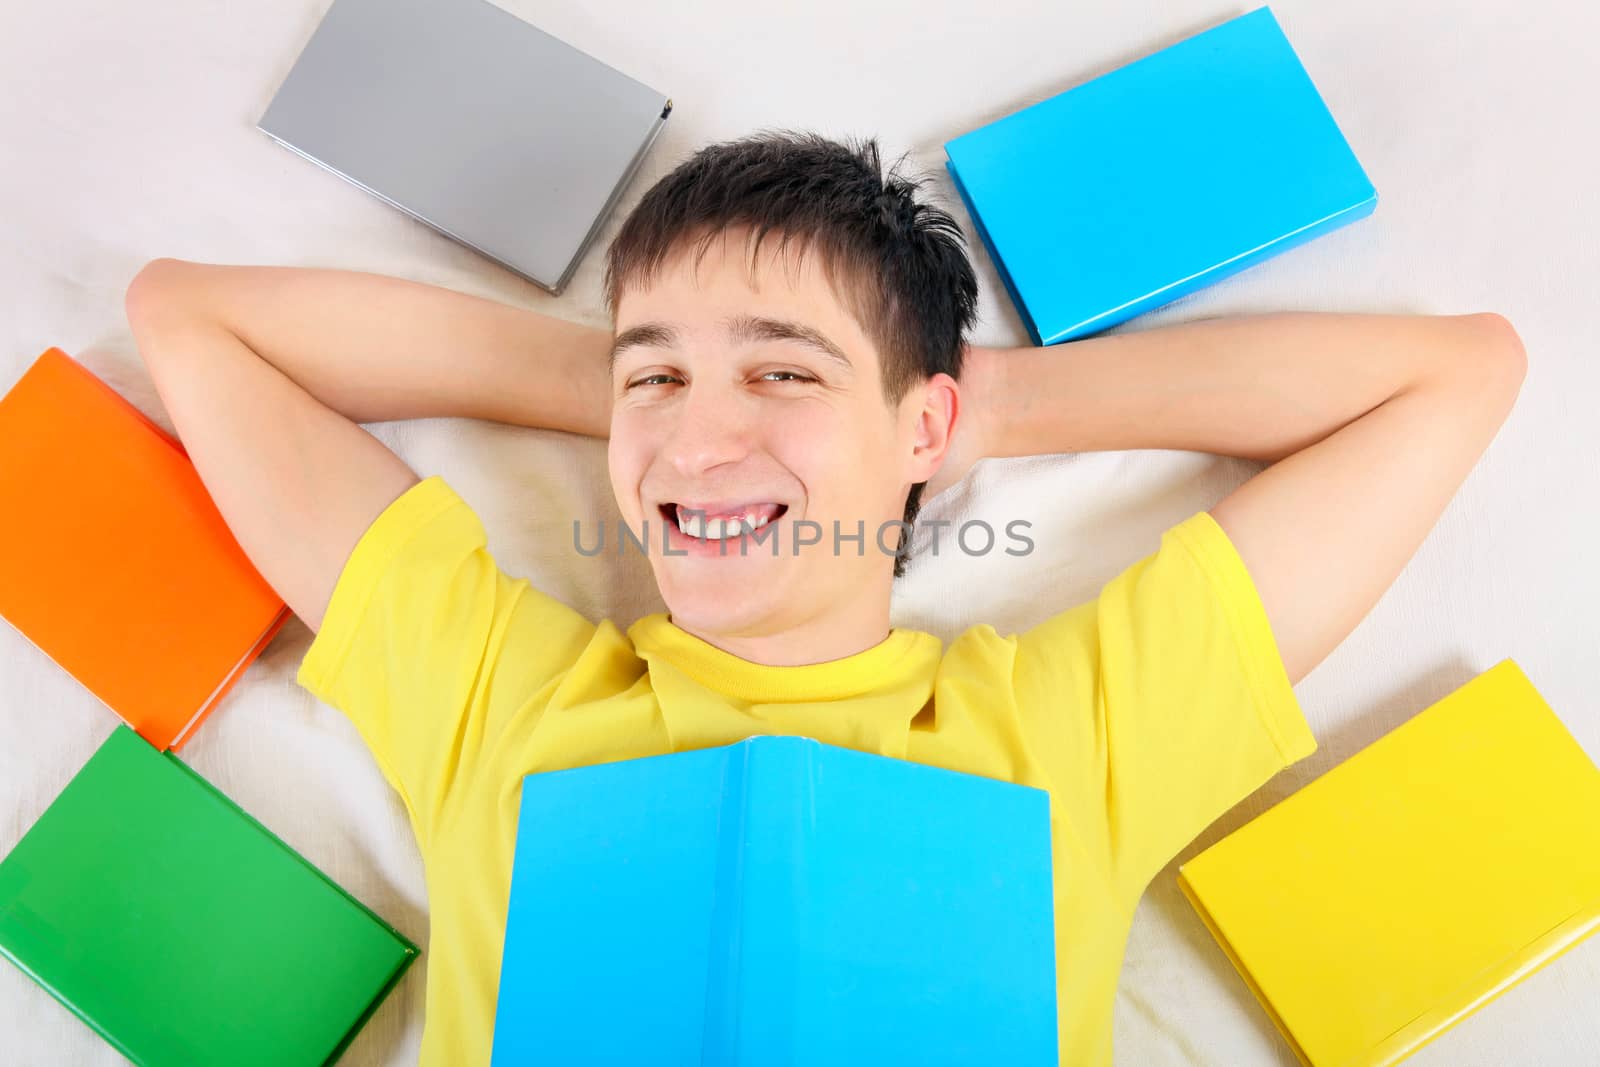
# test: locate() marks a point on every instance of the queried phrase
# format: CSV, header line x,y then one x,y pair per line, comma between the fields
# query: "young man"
x,y
819,375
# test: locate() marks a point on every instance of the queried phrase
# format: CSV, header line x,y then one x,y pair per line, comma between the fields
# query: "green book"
x,y
184,931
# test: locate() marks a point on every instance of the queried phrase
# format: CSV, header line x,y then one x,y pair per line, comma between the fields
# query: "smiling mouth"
x,y
705,526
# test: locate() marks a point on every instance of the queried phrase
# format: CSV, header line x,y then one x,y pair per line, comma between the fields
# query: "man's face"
x,y
720,429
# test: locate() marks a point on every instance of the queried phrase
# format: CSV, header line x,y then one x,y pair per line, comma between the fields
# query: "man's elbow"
x,y
155,295
1499,358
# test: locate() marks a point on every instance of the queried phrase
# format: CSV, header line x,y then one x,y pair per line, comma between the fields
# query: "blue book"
x,y
778,901
1161,177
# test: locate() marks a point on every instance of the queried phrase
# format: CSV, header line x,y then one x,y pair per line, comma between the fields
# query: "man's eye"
x,y
789,375
652,379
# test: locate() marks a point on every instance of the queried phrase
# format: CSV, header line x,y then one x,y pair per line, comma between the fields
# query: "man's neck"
x,y
830,637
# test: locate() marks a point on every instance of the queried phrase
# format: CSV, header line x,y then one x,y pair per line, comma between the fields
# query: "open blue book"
x,y
1157,179
778,901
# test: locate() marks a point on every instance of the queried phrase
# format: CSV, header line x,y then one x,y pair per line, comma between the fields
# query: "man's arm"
x,y
1370,423
266,372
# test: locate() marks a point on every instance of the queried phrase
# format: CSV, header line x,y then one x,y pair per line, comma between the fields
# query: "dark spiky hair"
x,y
899,267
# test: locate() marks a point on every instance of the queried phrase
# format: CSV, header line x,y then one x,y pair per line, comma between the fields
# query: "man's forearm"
x,y
1259,386
376,348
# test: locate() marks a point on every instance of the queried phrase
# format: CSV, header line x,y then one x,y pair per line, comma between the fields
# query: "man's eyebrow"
x,y
744,329
645,335
751,328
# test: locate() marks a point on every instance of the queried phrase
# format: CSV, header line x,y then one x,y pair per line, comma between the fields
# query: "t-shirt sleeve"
x,y
1162,703
411,646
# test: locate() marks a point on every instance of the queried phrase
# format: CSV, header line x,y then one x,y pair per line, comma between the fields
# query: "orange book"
x,y
115,561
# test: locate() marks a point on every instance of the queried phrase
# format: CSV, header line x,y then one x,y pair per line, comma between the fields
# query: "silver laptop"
x,y
464,116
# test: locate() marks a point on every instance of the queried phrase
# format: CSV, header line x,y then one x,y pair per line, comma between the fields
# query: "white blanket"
x,y
127,133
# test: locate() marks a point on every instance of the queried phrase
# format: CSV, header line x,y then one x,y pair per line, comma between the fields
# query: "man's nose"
x,y
713,428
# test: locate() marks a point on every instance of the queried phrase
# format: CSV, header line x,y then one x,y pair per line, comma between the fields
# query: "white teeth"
x,y
721,529
694,524
710,529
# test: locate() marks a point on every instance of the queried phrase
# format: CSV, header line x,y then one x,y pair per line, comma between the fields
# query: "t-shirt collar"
x,y
657,636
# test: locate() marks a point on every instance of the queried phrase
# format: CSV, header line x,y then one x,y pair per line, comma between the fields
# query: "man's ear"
x,y
935,425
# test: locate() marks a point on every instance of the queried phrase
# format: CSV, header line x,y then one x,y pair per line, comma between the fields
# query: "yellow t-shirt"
x,y
1145,714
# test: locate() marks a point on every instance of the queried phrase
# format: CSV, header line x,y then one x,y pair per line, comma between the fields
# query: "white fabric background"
x,y
127,133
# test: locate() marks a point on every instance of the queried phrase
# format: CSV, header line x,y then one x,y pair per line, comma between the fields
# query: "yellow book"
x,y
1414,882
